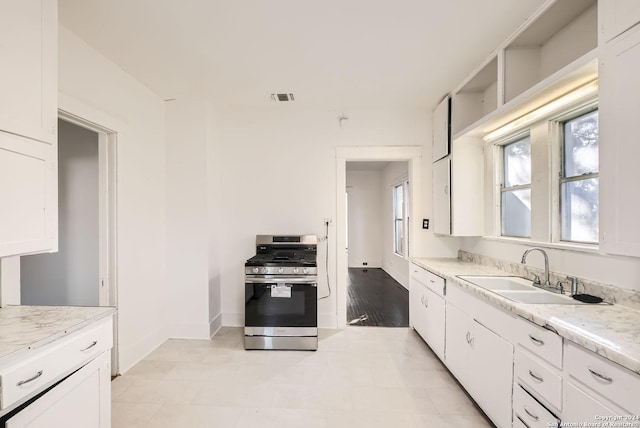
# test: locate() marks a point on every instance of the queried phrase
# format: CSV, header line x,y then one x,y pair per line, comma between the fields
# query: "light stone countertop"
x,y
612,331
24,328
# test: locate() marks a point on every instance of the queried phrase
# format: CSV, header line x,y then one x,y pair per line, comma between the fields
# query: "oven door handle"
x,y
286,280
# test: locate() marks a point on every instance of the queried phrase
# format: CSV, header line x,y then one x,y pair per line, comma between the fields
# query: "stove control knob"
x,y
265,270
295,270
305,270
280,270
256,270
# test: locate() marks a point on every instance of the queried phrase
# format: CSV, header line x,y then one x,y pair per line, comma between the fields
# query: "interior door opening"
x,y
377,236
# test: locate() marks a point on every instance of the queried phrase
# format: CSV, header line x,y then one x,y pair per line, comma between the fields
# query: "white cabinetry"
x,y
458,190
28,121
28,54
619,111
427,310
480,359
617,16
76,365
594,385
83,400
442,129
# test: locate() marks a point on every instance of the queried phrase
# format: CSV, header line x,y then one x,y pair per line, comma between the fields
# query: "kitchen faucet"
x,y
547,283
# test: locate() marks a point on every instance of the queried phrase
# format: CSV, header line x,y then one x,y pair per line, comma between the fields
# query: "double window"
x,y
566,165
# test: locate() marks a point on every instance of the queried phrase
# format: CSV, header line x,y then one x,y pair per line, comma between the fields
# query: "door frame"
x,y
413,156
75,112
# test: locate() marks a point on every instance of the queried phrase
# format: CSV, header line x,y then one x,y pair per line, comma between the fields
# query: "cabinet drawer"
x,y
538,378
542,342
53,361
434,282
531,413
607,379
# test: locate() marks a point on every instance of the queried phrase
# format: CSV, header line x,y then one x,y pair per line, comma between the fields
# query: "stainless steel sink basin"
x,y
519,290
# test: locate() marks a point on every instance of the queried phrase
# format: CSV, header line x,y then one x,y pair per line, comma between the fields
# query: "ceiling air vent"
x,y
282,97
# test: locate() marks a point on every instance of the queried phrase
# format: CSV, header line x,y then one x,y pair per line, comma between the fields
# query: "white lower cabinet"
x,y
482,361
427,307
82,400
596,387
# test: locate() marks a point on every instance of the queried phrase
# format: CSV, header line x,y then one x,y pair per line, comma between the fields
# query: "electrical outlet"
x,y
425,223
365,264
328,221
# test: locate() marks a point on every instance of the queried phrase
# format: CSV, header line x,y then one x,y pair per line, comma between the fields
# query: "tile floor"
x,y
359,377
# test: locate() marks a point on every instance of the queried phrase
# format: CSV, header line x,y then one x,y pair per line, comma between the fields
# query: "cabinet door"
x,y
28,54
415,300
617,16
458,346
83,400
491,360
442,129
28,191
619,151
434,319
442,197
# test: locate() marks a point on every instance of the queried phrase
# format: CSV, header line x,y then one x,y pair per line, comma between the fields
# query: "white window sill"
x,y
567,246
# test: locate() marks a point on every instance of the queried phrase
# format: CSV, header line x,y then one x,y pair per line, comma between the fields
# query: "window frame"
x,y
501,144
558,123
404,220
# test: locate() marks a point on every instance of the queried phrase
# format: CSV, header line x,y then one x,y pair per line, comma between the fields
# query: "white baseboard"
x,y
189,331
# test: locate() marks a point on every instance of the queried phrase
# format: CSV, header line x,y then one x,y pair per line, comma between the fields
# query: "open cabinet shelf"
x,y
477,98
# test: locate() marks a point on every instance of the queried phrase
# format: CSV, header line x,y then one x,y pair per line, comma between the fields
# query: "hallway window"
x,y
398,219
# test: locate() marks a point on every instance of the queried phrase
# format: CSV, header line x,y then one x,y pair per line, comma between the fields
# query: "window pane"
x,y
397,201
398,237
581,145
517,163
516,213
579,210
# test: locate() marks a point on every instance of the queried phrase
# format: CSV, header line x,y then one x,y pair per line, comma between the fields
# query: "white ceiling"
x,y
332,54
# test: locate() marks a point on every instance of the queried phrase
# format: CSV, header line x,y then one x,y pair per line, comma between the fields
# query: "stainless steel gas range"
x,y
281,293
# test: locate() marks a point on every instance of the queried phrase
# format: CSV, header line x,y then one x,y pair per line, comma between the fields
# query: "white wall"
x,y
365,217
187,222
70,276
397,266
278,173
91,86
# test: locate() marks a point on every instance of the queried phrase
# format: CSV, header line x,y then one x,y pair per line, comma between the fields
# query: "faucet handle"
x,y
560,286
536,279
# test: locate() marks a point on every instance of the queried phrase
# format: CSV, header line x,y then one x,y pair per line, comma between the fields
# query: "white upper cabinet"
x,y
28,122
28,54
442,129
619,149
616,17
458,190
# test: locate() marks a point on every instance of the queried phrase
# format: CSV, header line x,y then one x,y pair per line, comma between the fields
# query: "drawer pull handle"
x,y
94,343
599,376
535,376
536,340
426,302
533,416
31,379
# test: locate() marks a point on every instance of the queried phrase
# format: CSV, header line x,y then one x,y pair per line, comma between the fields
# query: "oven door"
x,y
274,304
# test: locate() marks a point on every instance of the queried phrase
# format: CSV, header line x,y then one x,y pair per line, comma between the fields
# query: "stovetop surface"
x,y
282,259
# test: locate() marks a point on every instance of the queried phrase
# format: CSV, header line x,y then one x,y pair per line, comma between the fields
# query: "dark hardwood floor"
x,y
374,298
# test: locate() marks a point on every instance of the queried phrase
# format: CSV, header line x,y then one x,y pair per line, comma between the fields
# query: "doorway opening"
x,y
373,233
377,236
83,271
